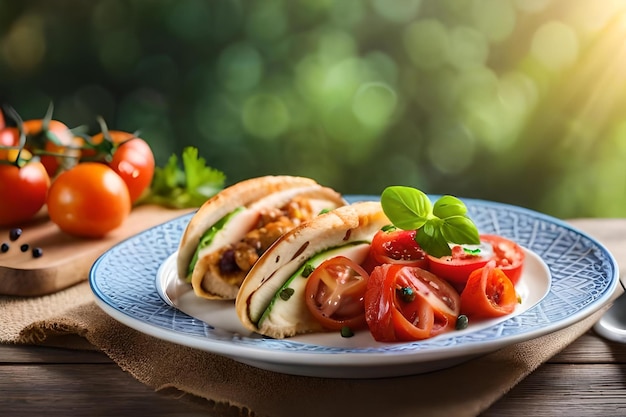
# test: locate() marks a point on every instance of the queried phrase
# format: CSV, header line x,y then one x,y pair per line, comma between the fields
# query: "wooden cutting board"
x,y
66,260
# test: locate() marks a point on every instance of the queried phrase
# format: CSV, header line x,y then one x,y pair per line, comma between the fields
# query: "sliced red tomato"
x,y
457,267
489,293
395,246
509,256
404,303
334,293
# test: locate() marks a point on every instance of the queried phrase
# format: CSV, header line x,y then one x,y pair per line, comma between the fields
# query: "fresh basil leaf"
x,y
448,206
434,244
460,230
438,225
406,207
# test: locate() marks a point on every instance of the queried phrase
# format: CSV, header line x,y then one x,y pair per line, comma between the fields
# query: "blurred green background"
x,y
517,101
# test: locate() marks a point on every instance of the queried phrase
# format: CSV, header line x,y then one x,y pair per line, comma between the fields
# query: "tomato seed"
x,y
4,248
24,247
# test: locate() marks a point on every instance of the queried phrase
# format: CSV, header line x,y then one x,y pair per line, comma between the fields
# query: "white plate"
x,y
568,275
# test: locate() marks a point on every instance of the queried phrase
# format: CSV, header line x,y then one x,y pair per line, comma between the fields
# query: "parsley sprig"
x,y
438,225
188,187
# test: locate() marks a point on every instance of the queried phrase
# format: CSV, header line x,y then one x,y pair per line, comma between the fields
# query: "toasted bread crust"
x,y
205,281
352,223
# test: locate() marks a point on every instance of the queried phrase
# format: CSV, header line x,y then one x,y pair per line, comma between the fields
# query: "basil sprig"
x,y
438,225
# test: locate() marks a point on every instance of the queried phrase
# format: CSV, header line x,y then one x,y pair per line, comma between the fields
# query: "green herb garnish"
x,y
188,187
346,332
308,270
286,293
438,225
461,322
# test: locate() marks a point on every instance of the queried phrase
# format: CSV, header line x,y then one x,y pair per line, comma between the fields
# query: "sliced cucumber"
x,y
209,237
287,306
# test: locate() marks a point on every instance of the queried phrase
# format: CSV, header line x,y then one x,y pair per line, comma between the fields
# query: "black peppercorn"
x,y
24,247
15,234
37,252
4,248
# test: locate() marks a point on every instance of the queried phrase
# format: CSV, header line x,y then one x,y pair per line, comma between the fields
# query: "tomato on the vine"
x,y
9,136
53,138
23,187
395,246
88,200
130,156
404,303
334,293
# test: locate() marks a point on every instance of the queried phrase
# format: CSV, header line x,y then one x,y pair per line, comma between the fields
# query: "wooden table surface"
x,y
587,379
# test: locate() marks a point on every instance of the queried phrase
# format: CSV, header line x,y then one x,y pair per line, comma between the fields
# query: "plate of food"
x,y
273,314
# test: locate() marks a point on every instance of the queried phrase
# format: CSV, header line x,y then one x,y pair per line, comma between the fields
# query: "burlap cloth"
x,y
463,390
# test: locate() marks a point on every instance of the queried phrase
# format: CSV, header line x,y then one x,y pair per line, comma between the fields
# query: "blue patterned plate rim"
x,y
584,275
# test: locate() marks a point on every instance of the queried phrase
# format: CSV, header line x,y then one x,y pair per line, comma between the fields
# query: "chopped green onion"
x,y
286,293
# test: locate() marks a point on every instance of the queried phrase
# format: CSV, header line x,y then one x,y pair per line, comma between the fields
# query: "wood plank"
x,y
86,390
581,390
591,348
66,259
18,354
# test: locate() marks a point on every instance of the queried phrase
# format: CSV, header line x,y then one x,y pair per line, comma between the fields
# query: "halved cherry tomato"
x,y
130,156
23,189
457,267
509,256
404,303
88,200
395,246
488,293
465,259
334,293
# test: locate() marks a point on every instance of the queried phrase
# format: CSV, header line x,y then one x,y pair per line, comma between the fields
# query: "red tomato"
x,y
395,246
334,293
9,136
54,137
456,268
134,162
131,157
88,200
509,256
404,303
488,293
23,190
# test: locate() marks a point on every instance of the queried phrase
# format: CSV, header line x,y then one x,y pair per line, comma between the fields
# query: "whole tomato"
x,y
130,156
55,139
23,187
9,136
88,200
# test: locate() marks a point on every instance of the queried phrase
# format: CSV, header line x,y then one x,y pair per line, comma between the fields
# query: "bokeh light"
x,y
517,101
